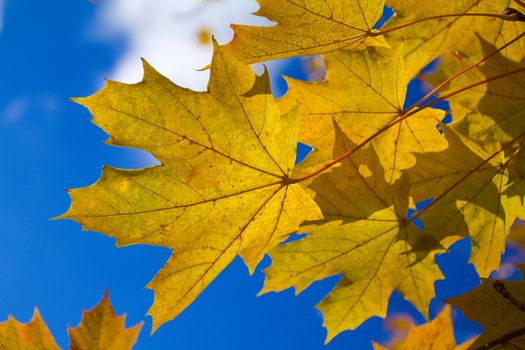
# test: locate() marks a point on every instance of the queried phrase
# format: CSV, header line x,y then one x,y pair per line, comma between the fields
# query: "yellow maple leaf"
x,y
223,188
451,26
437,334
364,92
33,335
101,329
496,306
306,27
364,237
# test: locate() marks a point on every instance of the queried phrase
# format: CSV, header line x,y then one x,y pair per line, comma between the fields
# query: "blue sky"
x,y
51,50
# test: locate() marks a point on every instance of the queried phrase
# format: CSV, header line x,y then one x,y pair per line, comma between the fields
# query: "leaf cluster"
x,y
228,184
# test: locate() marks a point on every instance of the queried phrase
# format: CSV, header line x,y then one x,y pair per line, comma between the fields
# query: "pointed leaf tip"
x,y
101,329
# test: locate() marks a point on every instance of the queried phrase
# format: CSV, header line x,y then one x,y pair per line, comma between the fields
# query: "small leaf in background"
x,y
437,334
33,335
101,329
204,36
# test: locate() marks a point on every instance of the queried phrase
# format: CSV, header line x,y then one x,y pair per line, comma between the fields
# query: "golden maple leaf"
x,y
437,334
306,27
367,238
364,92
101,329
223,188
227,185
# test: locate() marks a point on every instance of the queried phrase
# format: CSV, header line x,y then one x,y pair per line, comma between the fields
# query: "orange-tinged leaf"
x,y
101,329
33,335
223,187
307,27
437,334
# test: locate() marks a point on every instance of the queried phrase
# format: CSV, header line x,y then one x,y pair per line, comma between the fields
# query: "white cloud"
x,y
15,111
165,33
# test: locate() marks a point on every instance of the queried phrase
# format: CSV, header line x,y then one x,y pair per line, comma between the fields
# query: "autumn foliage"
x,y
99,329
228,184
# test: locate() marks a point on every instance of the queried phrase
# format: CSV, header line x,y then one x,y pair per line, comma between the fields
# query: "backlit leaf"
x,y
490,114
452,26
364,237
363,92
306,27
222,188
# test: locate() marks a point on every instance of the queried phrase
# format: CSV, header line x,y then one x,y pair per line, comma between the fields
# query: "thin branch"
x,y
464,70
396,121
521,3
500,288
503,339
463,89
464,177
500,16
506,338
514,14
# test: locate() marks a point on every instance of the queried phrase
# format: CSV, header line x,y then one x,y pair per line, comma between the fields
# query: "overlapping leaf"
x,y
437,334
306,27
517,234
452,26
225,186
492,113
496,306
471,197
365,237
222,188
364,92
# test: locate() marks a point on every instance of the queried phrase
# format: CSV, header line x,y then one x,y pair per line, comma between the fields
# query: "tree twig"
x,y
505,339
